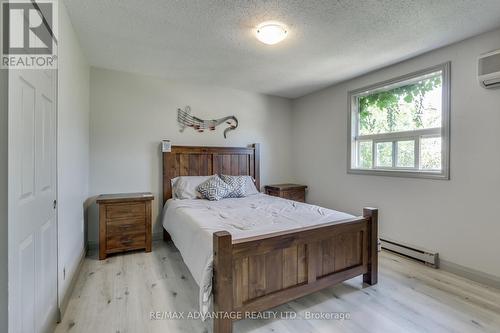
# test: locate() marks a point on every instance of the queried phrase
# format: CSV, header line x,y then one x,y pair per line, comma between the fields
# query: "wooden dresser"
x,y
287,191
124,222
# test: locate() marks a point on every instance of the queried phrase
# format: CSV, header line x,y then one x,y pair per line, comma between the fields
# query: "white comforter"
x,y
191,224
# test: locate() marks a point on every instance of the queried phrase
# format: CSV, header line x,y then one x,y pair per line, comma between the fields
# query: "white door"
x,y
32,195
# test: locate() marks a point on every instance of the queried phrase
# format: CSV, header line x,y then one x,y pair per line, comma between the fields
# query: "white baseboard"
x,y
93,245
157,236
65,300
471,274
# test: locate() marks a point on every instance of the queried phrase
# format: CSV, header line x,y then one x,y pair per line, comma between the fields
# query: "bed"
x,y
259,252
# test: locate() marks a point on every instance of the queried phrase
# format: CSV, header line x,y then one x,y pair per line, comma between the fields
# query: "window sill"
x,y
401,173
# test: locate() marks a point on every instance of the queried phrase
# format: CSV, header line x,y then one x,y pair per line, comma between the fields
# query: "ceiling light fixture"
x,y
271,33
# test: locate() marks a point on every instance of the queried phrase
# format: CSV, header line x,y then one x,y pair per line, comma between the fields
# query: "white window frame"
x,y
443,131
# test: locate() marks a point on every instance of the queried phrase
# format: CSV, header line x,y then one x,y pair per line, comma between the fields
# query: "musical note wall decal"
x,y
185,119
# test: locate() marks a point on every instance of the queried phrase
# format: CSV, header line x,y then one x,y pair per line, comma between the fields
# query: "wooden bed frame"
x,y
259,273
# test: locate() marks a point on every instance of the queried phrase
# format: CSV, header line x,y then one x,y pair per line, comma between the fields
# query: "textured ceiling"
x,y
212,41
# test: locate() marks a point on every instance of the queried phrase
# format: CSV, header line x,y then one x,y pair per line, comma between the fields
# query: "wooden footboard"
x,y
258,273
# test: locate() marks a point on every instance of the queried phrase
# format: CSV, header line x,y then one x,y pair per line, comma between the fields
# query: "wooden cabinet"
x,y
124,222
287,191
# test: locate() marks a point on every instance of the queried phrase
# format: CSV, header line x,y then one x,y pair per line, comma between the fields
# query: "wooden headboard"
x,y
206,161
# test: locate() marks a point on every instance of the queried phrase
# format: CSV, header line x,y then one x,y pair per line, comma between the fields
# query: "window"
x,y
401,127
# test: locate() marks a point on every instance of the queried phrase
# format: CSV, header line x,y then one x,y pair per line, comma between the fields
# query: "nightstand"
x,y
287,191
124,222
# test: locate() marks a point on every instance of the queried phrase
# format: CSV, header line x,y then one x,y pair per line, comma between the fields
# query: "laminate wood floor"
x,y
119,293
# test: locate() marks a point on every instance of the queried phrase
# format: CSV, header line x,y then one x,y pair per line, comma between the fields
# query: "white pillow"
x,y
184,187
248,187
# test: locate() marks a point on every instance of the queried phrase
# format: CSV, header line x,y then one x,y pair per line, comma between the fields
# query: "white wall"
x,y
73,150
459,217
3,200
131,114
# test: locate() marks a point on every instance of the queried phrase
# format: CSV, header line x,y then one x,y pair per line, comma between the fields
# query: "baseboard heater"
x,y
427,257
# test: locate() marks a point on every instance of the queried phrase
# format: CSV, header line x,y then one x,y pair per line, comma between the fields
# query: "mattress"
x,y
191,224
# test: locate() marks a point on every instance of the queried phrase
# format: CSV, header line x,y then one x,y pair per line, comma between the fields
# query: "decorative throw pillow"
x,y
248,187
214,189
237,183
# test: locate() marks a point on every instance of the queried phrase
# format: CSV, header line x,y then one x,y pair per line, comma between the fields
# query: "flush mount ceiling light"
x,y
271,33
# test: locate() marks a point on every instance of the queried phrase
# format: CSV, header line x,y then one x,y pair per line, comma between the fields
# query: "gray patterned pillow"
x,y
248,184
237,183
214,189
